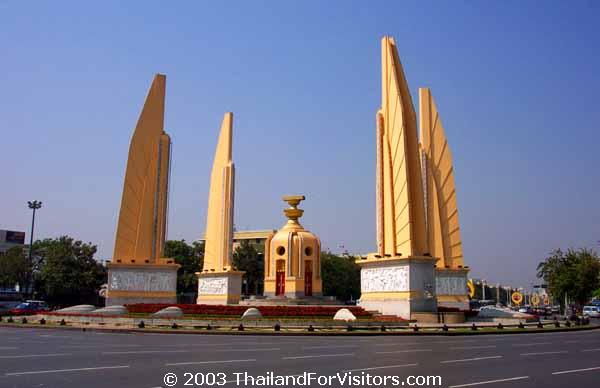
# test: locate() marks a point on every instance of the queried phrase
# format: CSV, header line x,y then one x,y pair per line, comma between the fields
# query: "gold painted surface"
x,y
442,209
292,246
141,228
219,224
400,204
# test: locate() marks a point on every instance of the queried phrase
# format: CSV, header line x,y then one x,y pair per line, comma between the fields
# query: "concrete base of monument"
x,y
219,287
451,287
272,300
141,283
398,285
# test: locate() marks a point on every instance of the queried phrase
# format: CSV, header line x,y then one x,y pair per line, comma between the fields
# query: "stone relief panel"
x,y
451,285
132,280
214,286
384,279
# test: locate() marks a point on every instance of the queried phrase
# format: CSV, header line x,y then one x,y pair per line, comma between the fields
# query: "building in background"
x,y
9,239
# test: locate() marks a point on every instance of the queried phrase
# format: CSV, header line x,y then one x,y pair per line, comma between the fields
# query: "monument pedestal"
x,y
398,285
451,287
141,283
219,287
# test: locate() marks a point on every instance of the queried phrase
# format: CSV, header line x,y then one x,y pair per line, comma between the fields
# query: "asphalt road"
x,y
62,358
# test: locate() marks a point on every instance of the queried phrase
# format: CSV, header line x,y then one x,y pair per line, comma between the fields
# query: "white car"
x,y
591,311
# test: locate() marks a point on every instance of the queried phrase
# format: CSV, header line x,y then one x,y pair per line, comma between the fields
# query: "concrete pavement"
x,y
61,358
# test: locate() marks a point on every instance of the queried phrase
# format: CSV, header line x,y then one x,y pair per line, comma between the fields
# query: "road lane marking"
x,y
489,382
379,367
533,344
575,370
541,353
473,347
317,356
400,344
330,347
38,355
35,372
8,348
246,350
406,351
591,350
470,359
209,362
146,352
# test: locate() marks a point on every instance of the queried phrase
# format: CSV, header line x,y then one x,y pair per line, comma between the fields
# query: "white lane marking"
x,y
470,359
330,347
400,344
473,347
379,367
573,342
8,347
575,370
489,382
147,352
38,355
317,356
591,350
65,370
209,362
101,346
406,351
246,350
533,344
541,353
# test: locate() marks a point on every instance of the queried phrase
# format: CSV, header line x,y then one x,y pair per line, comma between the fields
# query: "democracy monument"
x,y
418,265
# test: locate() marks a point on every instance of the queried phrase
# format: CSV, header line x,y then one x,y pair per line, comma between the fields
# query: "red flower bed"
x,y
266,311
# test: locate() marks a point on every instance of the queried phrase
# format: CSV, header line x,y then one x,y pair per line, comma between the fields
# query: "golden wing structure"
x,y
219,223
142,224
443,229
400,203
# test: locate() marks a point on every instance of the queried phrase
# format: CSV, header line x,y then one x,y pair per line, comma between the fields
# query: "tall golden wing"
x,y
139,216
219,221
400,183
442,210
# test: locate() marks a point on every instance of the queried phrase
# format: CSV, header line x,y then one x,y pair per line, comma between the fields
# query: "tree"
x,y
191,259
574,274
248,258
68,273
15,268
341,276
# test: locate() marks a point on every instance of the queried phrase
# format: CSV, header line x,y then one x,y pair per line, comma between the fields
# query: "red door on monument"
x,y
308,278
280,278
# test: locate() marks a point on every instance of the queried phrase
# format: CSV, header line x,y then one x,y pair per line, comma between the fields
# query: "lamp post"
x,y
33,205
483,289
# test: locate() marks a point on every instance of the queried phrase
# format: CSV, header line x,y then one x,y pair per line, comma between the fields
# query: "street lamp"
x,y
34,205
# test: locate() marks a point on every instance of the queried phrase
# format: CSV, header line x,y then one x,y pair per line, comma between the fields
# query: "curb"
x,y
302,333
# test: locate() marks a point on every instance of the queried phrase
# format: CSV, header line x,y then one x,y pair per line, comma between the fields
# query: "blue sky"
x,y
516,84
